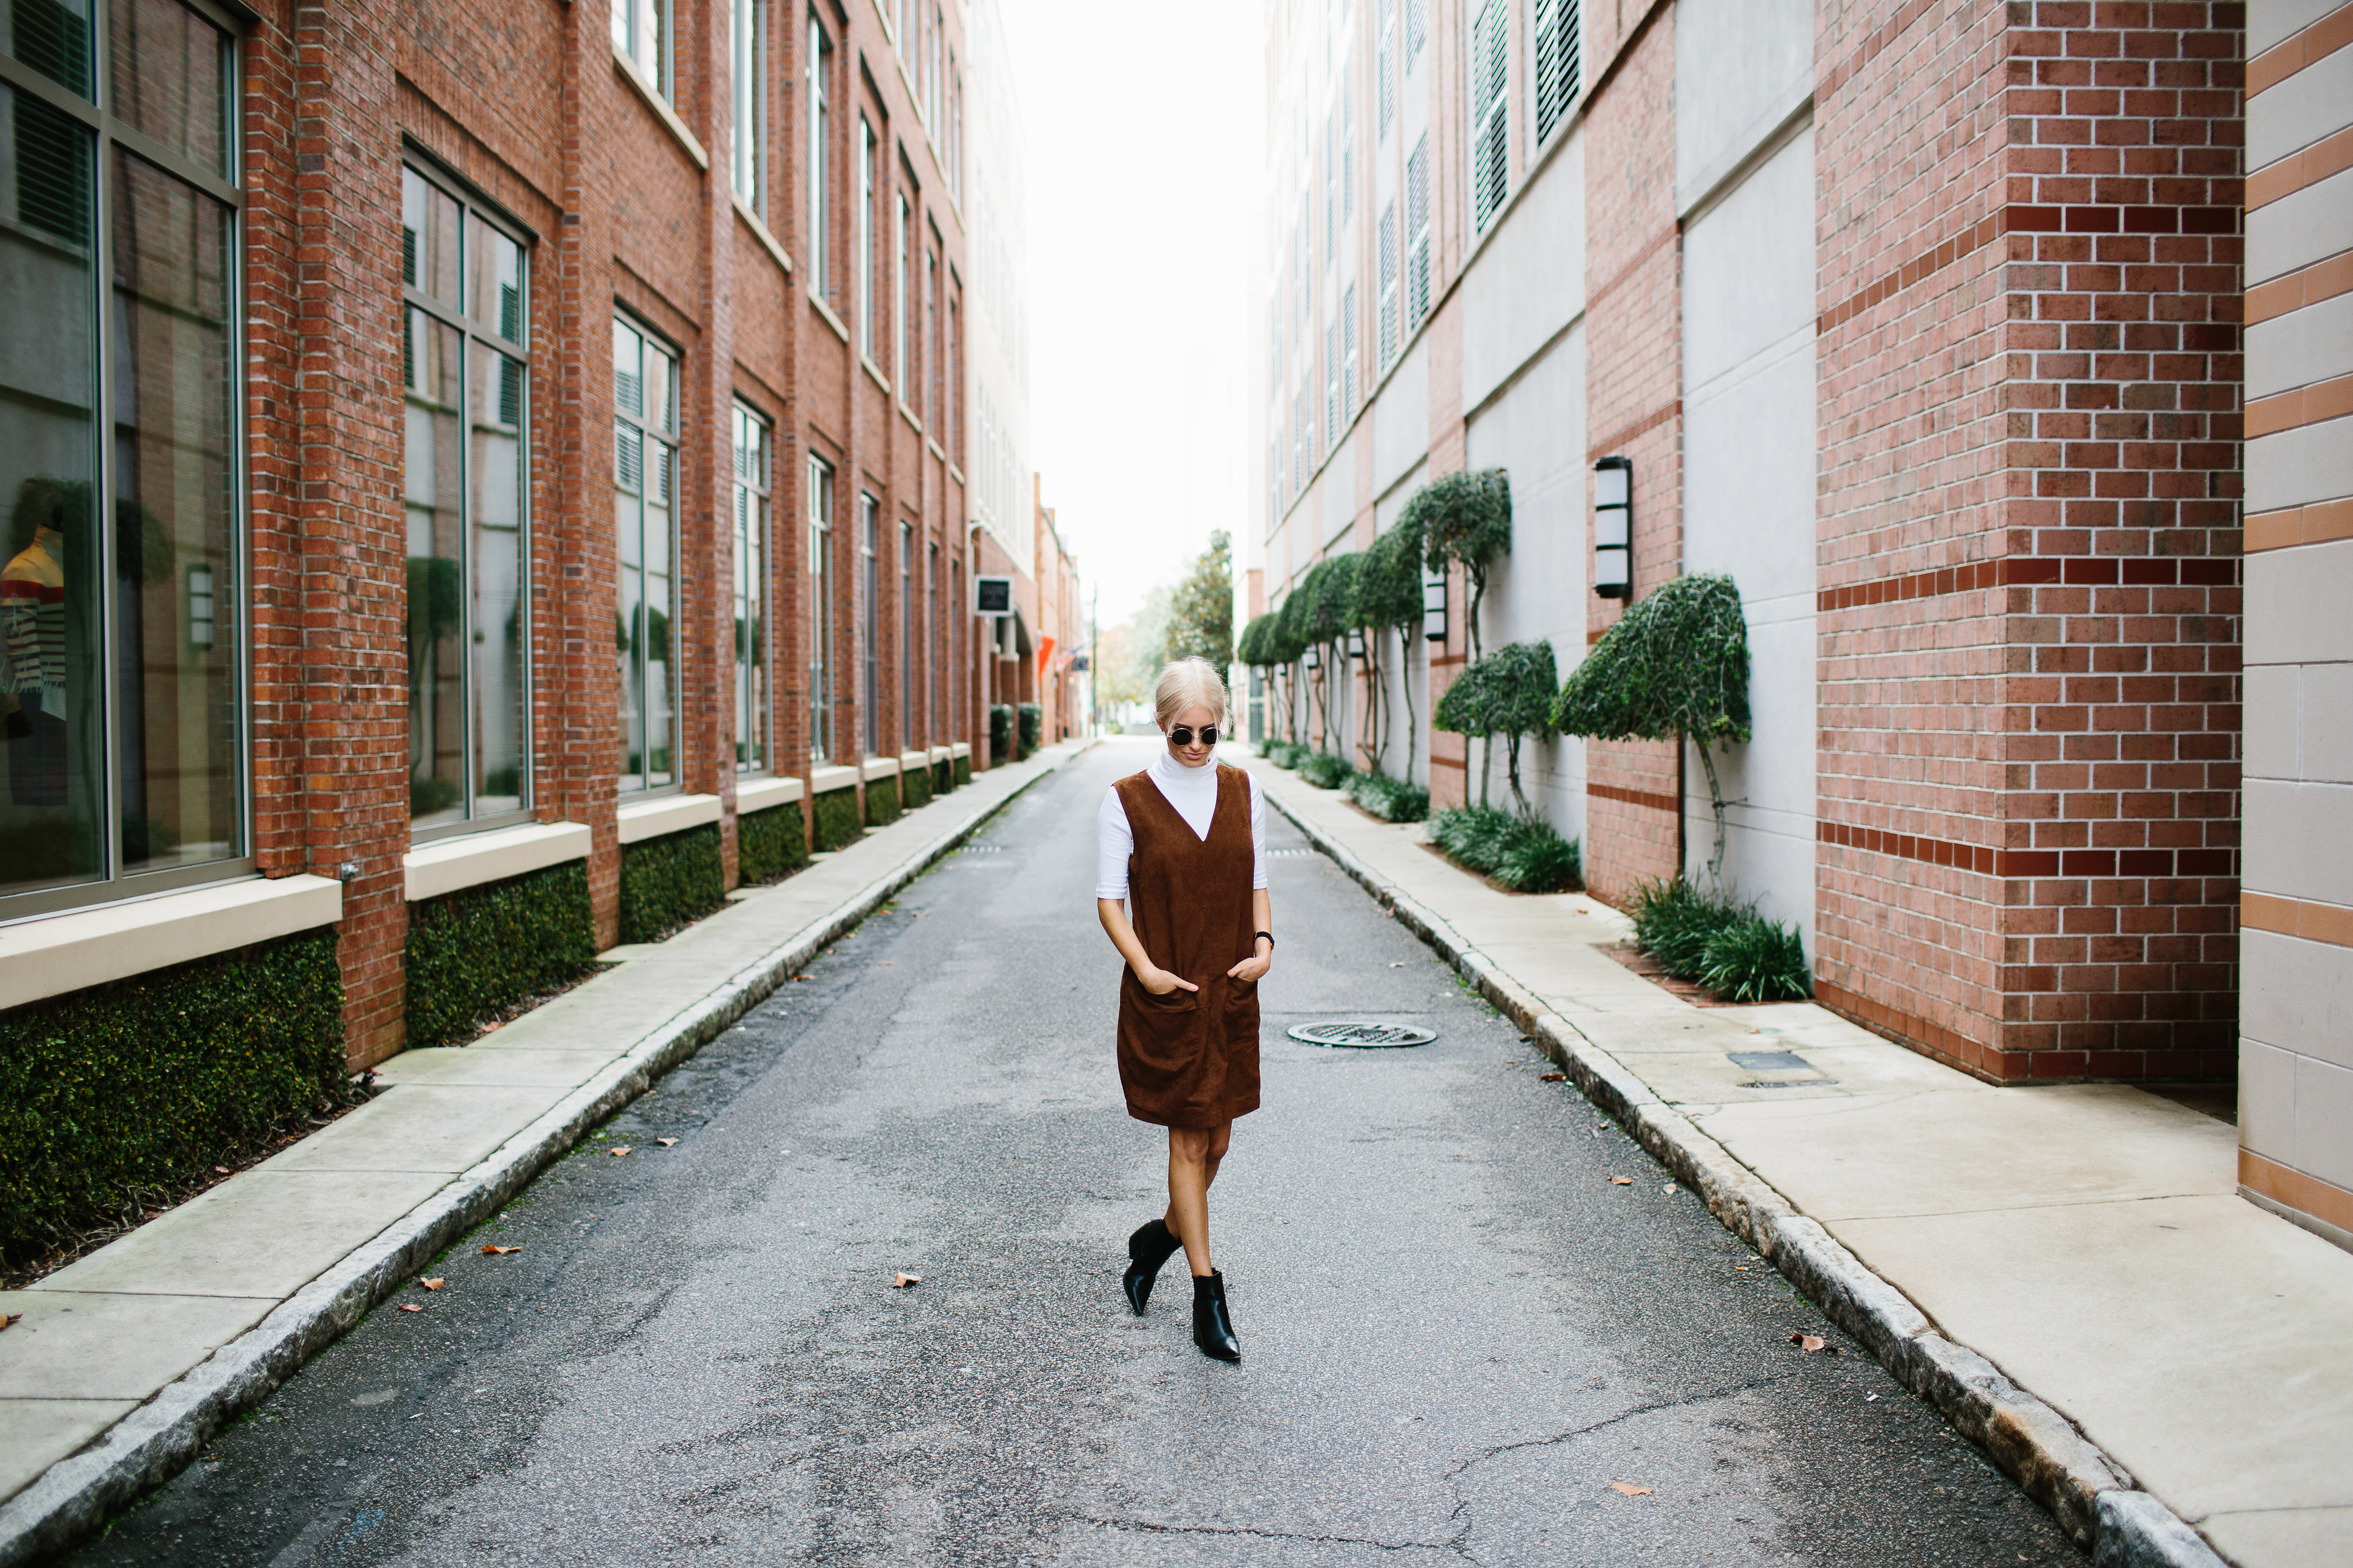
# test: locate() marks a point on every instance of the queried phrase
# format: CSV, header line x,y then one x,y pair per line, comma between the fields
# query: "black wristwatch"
x,y
1268,934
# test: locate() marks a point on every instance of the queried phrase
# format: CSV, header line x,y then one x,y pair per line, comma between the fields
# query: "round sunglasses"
x,y
1182,735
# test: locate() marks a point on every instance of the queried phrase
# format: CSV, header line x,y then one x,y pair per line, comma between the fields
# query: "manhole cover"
x,y
1360,1036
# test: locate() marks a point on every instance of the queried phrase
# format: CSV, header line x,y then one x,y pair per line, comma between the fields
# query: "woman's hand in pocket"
x,y
1160,982
1252,968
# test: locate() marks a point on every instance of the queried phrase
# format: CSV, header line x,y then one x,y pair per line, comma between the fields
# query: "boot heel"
x,y
1148,1249
1213,1328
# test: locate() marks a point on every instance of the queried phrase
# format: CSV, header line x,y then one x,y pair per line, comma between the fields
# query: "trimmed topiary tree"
x,y
1465,519
1508,693
1675,665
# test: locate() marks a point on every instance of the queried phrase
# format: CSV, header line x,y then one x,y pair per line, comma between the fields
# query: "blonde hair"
x,y
1189,683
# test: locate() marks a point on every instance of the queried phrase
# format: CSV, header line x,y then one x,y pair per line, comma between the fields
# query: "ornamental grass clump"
x,y
1325,771
1523,854
1391,800
1539,861
1474,836
1726,947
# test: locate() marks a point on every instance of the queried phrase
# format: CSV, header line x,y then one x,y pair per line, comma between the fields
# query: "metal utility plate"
x,y
1358,1033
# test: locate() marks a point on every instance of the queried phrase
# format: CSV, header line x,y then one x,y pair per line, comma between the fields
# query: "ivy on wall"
x,y
126,1094
669,881
770,845
477,952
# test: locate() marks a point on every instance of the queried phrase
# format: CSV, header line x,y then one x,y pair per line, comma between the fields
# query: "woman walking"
x,y
1180,883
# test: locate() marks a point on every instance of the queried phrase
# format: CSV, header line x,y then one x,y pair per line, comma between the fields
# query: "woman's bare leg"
x,y
1194,1153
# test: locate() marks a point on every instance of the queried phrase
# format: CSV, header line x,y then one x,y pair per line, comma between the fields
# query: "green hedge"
x,y
770,844
1033,725
130,1093
1000,731
669,881
943,776
478,951
963,772
838,822
882,801
915,787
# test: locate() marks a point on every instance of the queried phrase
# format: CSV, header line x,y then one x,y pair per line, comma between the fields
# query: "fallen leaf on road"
x,y
1629,1488
1621,1180
410,1307
617,1154
493,1250
1810,1343
665,1142
1667,1186
434,1284
1550,1077
903,1281
220,1170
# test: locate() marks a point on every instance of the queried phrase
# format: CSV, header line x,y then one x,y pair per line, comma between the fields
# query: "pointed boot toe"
x,y
1213,1329
1148,1249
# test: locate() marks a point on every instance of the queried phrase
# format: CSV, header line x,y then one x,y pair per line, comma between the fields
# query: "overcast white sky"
x,y
1144,124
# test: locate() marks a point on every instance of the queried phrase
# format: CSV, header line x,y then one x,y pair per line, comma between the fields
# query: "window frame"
x,y
760,704
630,33
474,206
906,635
818,173
1487,76
869,624
747,36
817,571
112,884
675,439
868,145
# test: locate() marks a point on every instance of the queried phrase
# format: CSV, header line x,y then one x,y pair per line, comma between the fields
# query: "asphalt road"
x,y
1457,1334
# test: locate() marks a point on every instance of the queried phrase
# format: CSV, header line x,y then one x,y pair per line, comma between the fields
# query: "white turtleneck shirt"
x,y
1194,793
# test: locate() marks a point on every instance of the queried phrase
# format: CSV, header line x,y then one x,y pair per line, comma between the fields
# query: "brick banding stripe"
x,y
1649,800
2088,218
1665,237
1642,427
2331,923
2324,279
1862,53
1987,861
2314,524
2299,1190
2306,406
2314,44
2034,571
2307,166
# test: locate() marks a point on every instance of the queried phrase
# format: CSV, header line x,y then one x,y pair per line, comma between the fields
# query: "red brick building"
x,y
1919,320
538,443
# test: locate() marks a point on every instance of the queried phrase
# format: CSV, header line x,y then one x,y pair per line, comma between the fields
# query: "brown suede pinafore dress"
x,y
1189,1058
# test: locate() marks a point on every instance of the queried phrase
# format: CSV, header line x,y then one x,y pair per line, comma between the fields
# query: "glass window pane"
x,y
495,476
52,36
433,493
494,290
174,516
661,613
51,817
429,238
171,75
628,623
629,376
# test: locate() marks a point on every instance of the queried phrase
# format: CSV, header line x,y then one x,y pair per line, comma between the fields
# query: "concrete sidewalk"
x,y
2088,1241
128,1359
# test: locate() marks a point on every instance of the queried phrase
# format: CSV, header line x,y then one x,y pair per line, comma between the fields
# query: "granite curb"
x,y
154,1442
2090,1496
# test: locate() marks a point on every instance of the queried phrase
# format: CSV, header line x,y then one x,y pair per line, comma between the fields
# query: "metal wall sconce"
x,y
1312,659
1356,645
1613,533
1433,606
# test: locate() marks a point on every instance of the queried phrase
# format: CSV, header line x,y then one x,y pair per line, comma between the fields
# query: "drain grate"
x,y
983,850
1360,1035
1291,854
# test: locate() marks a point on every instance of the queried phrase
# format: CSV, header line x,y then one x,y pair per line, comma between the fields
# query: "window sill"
x,y
760,232
955,473
823,780
878,768
49,957
936,452
662,109
646,819
832,320
915,761
909,416
868,367
961,748
943,753
458,863
762,794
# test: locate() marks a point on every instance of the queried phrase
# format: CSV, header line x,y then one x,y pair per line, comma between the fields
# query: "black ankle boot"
x,y
1213,1331
1148,1249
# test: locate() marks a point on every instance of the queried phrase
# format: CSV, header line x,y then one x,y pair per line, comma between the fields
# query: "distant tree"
x,y
1201,610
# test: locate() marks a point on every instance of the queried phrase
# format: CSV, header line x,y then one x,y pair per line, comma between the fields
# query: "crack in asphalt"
x,y
1559,1438
1246,1530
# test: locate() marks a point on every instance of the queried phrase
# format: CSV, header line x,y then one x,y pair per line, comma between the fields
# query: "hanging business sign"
x,y
992,595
